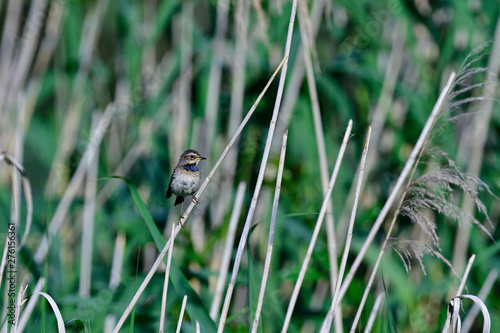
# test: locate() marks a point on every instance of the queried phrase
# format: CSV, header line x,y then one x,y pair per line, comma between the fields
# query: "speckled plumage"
x,y
185,179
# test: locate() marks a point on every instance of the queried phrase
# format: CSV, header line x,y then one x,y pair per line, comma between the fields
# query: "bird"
x,y
185,179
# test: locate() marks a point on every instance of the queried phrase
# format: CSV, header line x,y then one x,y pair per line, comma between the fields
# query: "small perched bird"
x,y
185,179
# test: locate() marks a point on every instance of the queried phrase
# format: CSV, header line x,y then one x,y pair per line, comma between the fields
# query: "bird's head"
x,y
191,157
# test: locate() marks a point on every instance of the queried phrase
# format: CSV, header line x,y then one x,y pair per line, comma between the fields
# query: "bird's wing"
x,y
169,189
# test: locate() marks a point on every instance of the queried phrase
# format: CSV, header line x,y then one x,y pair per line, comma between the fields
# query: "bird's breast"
x,y
185,182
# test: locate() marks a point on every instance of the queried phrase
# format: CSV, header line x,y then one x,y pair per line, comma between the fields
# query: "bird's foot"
x,y
195,199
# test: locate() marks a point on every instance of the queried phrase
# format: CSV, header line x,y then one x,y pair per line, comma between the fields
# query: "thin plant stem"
x,y
270,241
347,244
373,313
184,217
165,283
319,221
260,178
228,250
181,315
374,271
466,274
88,222
116,276
398,186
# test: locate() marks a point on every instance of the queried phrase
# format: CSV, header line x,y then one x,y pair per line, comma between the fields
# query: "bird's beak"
x,y
203,158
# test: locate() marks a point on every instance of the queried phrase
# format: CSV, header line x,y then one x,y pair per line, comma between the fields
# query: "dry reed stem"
x,y
7,49
24,58
88,221
181,315
270,241
483,294
466,274
317,228
347,245
228,251
398,186
373,313
260,178
165,283
116,275
193,203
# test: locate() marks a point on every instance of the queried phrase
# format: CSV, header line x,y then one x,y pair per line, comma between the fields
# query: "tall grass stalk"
x,y
228,251
398,186
270,241
260,178
297,74
190,208
466,275
88,221
319,221
115,276
347,245
373,313
181,315
165,283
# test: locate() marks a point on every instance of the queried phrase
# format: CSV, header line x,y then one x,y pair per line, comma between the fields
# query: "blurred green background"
x,y
171,75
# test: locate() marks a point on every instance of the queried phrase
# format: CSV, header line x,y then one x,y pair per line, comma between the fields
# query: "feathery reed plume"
x,y
409,249
434,190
